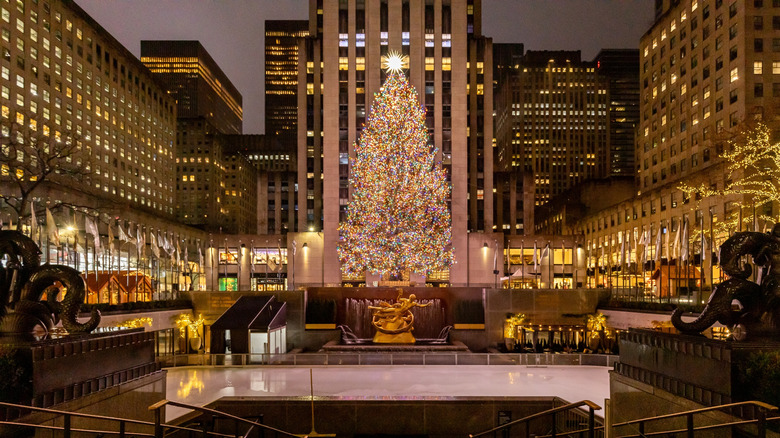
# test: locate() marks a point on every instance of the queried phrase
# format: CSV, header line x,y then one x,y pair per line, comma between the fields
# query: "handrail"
x,y
387,358
574,432
157,408
591,407
67,416
763,408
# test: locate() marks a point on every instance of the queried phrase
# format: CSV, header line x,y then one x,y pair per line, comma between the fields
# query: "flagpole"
x,y
94,256
522,264
712,259
239,262
701,260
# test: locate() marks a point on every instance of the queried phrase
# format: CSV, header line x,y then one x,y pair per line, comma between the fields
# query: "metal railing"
x,y
159,426
761,409
121,427
388,358
590,430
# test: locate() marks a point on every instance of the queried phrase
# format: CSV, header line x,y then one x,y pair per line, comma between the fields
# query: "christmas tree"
x,y
397,220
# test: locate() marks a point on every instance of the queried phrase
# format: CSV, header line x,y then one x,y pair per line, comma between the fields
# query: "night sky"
x,y
232,30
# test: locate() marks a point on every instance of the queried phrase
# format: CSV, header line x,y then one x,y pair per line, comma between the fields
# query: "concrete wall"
x,y
434,418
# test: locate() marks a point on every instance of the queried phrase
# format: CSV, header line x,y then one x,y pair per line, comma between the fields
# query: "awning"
x,y
253,313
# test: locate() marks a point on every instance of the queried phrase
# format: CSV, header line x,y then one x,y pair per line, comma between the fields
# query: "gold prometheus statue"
x,y
393,322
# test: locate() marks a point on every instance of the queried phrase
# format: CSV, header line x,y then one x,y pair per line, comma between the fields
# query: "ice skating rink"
x,y
202,385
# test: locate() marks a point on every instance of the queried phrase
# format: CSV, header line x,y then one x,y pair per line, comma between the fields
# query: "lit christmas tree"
x,y
398,220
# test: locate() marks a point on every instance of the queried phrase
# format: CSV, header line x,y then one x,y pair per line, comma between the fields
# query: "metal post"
x,y
158,432
761,433
66,426
121,429
591,422
554,431
689,424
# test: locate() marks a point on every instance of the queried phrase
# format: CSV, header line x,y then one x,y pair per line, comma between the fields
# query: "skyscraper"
x,y
340,69
281,78
65,78
197,83
213,188
620,69
551,122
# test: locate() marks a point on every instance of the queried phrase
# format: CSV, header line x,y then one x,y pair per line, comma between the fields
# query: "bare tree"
x,y
31,155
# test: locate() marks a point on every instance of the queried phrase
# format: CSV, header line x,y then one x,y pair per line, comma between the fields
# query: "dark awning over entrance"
x,y
254,313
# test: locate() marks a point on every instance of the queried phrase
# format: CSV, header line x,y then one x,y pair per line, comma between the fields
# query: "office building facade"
x,y
65,78
281,78
340,70
551,132
213,192
709,70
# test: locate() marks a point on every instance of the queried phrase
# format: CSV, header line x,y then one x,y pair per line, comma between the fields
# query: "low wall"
x,y
431,417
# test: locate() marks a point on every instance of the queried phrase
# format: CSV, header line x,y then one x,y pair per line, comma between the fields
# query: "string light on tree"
x,y
752,171
398,220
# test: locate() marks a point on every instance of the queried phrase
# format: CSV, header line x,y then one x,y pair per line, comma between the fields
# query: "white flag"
x,y
623,247
140,242
535,260
51,228
658,246
684,242
676,249
91,227
704,245
33,222
200,259
546,251
153,244
252,256
122,236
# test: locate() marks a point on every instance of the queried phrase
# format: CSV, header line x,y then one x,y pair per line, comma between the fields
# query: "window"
x,y
775,67
758,22
758,45
758,89
758,67
734,74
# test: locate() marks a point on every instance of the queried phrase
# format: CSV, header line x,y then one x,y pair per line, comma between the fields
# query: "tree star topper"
x,y
395,62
